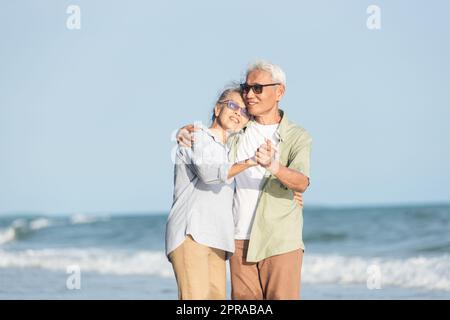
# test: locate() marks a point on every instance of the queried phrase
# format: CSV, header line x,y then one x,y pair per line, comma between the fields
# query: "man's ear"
x,y
280,92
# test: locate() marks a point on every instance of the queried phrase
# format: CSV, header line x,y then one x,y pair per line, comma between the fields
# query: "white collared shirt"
x,y
248,183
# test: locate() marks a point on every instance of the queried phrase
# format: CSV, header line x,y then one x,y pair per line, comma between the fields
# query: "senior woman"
x,y
200,227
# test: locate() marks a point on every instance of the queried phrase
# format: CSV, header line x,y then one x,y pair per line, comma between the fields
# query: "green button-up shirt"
x,y
277,227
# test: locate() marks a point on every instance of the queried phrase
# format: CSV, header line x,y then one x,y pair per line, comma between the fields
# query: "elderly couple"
x,y
237,195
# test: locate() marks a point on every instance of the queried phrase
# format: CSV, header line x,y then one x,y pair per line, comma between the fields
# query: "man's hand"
x,y
265,156
298,198
185,137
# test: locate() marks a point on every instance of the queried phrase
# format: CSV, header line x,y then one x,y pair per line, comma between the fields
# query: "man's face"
x,y
259,104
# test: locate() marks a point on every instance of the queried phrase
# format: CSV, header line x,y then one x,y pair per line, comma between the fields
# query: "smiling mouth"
x,y
235,120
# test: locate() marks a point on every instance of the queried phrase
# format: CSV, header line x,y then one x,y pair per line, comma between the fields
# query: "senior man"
x,y
268,223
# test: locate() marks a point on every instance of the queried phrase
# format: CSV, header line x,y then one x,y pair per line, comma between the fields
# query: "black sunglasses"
x,y
257,88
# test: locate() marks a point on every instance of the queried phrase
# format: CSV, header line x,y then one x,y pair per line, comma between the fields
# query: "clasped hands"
x,y
264,156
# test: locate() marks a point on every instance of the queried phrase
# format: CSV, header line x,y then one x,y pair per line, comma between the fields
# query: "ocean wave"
x,y
326,237
426,273
21,227
90,260
39,223
430,273
7,235
83,218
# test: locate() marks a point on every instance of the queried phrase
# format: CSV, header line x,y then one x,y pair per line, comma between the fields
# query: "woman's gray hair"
x,y
227,91
275,71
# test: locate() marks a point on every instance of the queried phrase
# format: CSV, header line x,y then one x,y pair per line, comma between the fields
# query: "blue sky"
x,y
86,116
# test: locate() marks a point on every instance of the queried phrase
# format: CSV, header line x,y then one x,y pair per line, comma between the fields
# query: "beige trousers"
x,y
200,271
274,278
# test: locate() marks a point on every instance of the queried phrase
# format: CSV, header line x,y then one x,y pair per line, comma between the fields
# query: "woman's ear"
x,y
217,110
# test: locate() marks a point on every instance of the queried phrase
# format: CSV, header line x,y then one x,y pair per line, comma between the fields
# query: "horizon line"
x,y
313,206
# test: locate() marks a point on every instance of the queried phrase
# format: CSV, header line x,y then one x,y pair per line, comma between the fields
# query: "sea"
x,y
386,252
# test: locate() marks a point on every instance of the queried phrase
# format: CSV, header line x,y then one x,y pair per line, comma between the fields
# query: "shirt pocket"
x,y
276,189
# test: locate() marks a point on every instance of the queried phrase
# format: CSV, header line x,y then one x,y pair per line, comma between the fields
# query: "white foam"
x,y
83,218
7,235
431,273
90,260
22,226
427,273
39,223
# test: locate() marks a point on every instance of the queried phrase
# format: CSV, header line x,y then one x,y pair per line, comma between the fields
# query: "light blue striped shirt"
x,y
203,197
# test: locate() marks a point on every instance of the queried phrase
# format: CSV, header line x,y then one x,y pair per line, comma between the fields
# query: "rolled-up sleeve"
x,y
208,160
300,155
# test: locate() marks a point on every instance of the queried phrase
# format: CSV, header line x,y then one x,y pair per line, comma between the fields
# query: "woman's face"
x,y
232,113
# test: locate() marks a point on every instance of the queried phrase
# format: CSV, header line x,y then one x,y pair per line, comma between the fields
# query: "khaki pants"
x,y
274,278
200,271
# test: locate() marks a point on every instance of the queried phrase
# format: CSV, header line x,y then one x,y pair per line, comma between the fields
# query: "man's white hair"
x,y
275,71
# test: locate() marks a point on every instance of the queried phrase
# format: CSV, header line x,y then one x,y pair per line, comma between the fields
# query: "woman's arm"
x,y
209,163
209,173
241,166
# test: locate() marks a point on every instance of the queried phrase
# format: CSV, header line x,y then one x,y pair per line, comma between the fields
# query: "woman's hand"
x,y
251,161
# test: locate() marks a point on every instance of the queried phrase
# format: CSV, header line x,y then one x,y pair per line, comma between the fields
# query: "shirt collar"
x,y
282,127
205,129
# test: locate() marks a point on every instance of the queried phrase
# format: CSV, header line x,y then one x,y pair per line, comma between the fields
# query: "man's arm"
x,y
298,189
289,177
185,135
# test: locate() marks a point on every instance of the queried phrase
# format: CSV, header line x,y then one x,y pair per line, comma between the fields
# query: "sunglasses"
x,y
257,88
235,107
